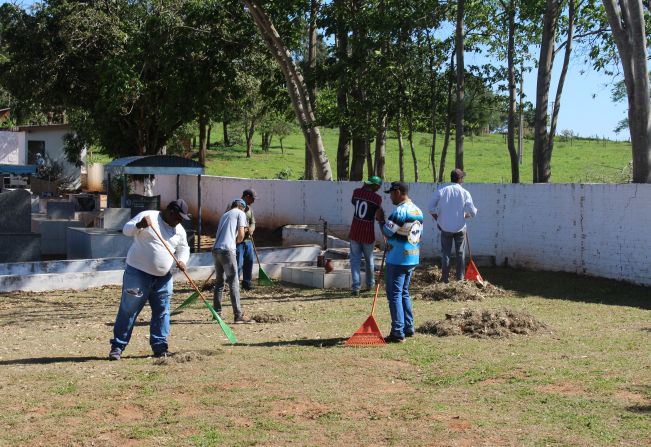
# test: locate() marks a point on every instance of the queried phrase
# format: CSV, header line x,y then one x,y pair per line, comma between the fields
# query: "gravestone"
x,y
139,203
60,210
15,211
17,244
115,218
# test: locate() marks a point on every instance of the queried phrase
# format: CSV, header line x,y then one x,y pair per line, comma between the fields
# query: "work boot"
x,y
243,319
115,354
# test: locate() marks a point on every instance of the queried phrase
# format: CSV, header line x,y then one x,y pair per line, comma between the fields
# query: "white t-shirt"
x,y
450,202
225,239
147,253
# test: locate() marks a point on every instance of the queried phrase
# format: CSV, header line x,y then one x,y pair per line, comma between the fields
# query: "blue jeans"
x,y
446,250
397,279
226,267
245,255
139,287
356,251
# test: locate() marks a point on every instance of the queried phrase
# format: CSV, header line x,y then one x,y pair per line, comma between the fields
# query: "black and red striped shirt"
x,y
366,203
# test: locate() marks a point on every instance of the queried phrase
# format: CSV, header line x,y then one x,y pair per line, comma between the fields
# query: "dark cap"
x,y
248,192
180,207
398,186
456,175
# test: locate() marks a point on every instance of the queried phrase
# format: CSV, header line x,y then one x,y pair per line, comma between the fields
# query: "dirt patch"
x,y
181,357
427,285
265,317
484,324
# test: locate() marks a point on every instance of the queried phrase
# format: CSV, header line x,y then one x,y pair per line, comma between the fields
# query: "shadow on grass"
x,y
316,343
52,360
569,286
640,409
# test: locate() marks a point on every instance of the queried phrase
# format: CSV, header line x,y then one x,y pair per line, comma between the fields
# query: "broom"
x,y
263,278
192,298
227,331
369,332
471,272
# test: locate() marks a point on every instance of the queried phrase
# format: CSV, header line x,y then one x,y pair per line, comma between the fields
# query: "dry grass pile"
x,y
427,285
265,317
484,323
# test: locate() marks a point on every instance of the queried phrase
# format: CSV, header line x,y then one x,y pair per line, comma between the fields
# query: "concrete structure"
x,y
115,218
54,234
94,243
59,209
84,274
13,149
316,277
306,234
596,229
17,244
48,139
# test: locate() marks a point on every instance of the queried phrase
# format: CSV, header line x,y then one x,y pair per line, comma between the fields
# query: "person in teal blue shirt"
x,y
403,230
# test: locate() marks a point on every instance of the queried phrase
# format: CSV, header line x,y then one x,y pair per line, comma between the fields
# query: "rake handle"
x,y
379,276
255,250
194,286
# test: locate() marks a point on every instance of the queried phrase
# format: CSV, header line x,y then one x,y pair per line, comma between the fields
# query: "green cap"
x,y
375,180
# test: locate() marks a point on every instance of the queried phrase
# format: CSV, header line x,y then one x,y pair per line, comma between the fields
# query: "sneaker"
x,y
248,287
115,354
409,334
394,339
163,354
244,320
354,292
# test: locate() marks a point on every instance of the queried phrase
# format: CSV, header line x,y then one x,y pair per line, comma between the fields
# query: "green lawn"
x,y
486,159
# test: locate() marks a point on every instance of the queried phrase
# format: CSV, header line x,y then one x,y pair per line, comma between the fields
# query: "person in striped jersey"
x,y
367,209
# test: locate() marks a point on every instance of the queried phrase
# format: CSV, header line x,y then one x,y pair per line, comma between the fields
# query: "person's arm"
x,y
434,204
392,225
182,250
469,208
252,223
137,223
240,234
242,225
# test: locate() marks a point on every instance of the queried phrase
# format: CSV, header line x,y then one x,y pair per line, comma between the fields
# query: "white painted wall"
x,y
13,149
594,229
52,135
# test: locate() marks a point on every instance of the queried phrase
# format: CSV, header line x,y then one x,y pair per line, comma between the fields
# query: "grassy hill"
x,y
486,159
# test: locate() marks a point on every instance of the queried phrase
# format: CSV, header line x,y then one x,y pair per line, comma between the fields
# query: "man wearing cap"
x,y
245,254
402,229
148,277
230,232
450,206
367,206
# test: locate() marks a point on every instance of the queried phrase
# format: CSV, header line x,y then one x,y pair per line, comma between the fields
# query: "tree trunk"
x,y
249,130
461,4
410,136
510,134
380,144
358,95
266,141
369,158
209,133
227,142
448,122
401,149
343,145
359,157
203,124
296,87
561,80
309,171
541,159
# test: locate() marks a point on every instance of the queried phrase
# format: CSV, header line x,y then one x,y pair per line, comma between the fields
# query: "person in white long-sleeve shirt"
x,y
148,276
450,206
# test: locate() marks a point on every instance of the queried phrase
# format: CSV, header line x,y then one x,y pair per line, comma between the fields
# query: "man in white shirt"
x,y
450,206
230,232
148,276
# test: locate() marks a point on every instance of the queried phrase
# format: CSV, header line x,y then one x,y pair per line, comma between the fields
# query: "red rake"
x,y
472,273
369,332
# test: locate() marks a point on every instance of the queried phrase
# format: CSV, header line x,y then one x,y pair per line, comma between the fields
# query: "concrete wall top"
x,y
594,229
